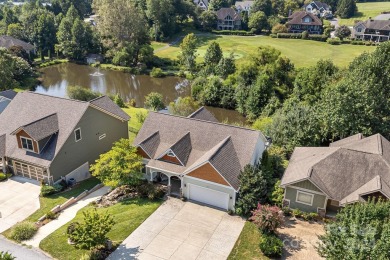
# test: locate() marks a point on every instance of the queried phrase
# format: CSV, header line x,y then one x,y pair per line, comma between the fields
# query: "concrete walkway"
x,y
21,252
65,216
182,230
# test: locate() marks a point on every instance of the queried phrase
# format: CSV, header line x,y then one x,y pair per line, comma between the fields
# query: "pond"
x,y
56,79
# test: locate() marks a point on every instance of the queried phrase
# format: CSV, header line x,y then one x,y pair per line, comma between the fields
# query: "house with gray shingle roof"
x,y
244,6
372,30
319,8
203,4
325,179
8,42
301,21
197,157
6,98
228,19
49,138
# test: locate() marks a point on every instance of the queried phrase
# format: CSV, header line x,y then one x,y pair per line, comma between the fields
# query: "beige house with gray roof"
x,y
197,157
324,179
49,138
372,30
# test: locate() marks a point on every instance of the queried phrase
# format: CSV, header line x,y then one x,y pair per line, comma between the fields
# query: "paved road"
x,y
21,252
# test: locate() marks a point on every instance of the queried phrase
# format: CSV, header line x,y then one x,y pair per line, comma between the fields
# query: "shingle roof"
x,y
297,18
210,141
150,144
321,5
41,128
244,4
182,148
384,16
225,11
35,112
8,41
203,114
2,145
375,24
9,94
340,171
347,140
106,104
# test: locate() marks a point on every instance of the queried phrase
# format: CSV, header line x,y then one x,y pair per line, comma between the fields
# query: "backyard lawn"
x,y
134,124
302,52
128,215
365,11
247,245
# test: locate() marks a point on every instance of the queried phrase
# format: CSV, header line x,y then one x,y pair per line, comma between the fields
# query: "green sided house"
x,y
324,179
197,157
49,138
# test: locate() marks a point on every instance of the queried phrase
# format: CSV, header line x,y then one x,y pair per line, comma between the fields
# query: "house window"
x,y
304,198
307,20
359,29
77,134
102,136
27,144
171,154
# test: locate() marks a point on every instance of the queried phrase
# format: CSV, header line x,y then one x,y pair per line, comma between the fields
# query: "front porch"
x,y
173,182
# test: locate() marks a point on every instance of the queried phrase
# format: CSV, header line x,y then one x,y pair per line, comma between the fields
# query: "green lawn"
x,y
302,52
366,10
247,245
134,124
128,215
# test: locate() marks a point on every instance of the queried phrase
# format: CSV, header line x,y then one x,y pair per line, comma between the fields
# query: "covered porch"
x,y
173,181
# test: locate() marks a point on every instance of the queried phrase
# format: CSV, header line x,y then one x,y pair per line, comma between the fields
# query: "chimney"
x,y
289,12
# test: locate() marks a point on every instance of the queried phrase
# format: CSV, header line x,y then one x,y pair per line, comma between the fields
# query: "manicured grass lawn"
x,y
134,125
302,52
366,10
158,45
247,245
128,215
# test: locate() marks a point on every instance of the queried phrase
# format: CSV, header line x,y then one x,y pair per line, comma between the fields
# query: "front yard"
x,y
128,215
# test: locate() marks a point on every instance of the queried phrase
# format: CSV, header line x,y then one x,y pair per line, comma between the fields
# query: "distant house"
x,y
318,8
228,19
203,4
6,98
372,30
8,42
301,21
48,138
197,157
325,179
244,6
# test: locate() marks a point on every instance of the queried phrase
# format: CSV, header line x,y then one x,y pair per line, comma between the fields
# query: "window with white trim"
x,y
102,136
27,144
304,198
171,154
77,134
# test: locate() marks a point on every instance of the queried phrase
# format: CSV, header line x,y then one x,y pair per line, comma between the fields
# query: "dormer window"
x,y
27,144
77,134
307,19
171,154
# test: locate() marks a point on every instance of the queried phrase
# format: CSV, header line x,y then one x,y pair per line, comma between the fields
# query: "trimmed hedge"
x,y
231,32
271,245
289,35
334,41
313,37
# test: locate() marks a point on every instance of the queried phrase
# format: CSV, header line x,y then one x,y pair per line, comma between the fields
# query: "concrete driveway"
x,y
19,198
182,230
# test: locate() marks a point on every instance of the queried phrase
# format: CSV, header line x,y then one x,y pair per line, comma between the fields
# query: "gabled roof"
x,y
375,24
2,145
225,11
41,115
8,94
150,144
244,4
107,105
383,16
297,18
8,42
41,128
203,114
228,148
320,5
344,170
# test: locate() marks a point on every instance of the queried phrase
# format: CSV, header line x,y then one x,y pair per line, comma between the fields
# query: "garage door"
x,y
31,172
208,196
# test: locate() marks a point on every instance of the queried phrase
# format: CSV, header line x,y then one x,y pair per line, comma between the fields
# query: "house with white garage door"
x,y
49,138
197,157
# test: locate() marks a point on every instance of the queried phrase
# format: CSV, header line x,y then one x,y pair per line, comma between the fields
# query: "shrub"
x,y
51,215
93,231
23,231
271,245
154,101
132,103
267,218
150,191
287,211
6,256
58,187
3,176
47,190
157,73
314,37
279,28
82,94
297,213
334,41
119,101
305,35
141,117
232,32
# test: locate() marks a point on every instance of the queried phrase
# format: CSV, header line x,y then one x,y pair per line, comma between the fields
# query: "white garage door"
x,y
208,196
